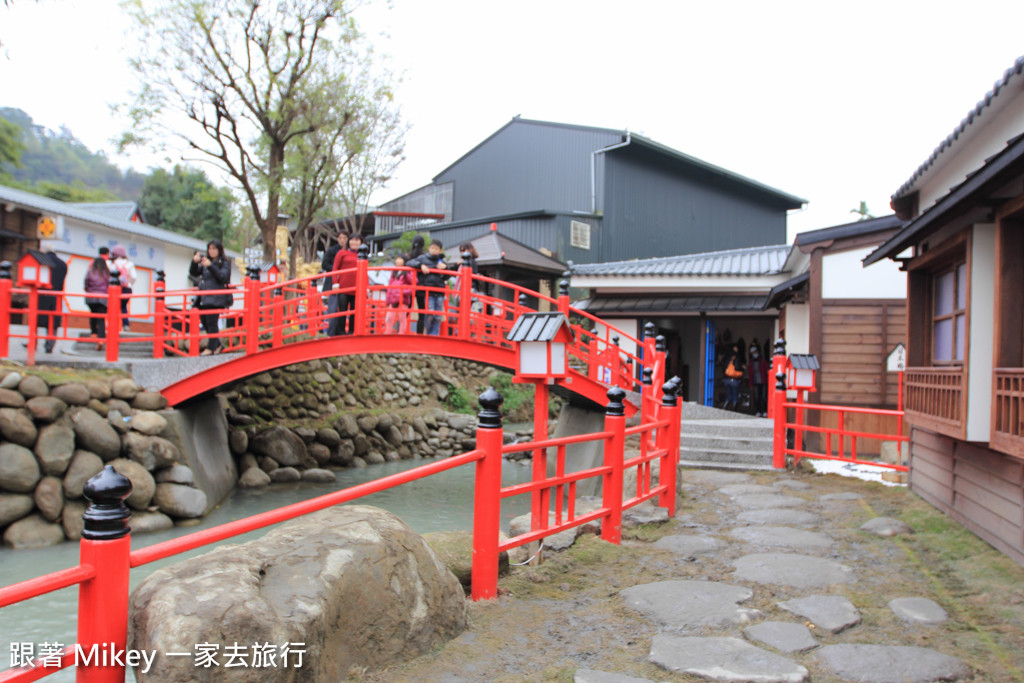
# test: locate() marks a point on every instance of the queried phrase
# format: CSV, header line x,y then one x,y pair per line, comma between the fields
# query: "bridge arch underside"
x,y
579,390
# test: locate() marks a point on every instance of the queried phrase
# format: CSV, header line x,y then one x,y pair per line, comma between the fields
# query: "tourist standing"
x,y
97,282
50,305
214,272
427,264
327,284
421,296
757,374
345,284
126,273
733,373
399,297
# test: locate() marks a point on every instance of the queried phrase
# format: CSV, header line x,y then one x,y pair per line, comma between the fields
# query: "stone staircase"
x,y
129,347
720,439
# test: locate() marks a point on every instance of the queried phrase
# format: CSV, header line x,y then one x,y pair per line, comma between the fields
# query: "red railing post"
x,y
669,442
362,286
193,331
487,498
563,294
113,316
5,307
277,317
778,365
614,456
465,296
658,374
540,500
253,314
103,600
32,318
159,314
312,301
779,424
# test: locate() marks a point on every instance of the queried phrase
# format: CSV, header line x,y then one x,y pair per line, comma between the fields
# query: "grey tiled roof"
x,y
532,327
120,210
1016,70
769,260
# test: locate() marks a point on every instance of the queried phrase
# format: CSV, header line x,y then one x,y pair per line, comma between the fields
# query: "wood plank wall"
x,y
857,336
980,488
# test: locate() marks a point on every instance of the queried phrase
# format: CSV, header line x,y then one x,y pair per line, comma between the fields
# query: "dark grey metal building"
x,y
595,194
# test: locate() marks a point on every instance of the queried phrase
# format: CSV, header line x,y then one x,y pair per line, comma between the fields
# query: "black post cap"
x,y
660,344
780,381
615,340
523,299
253,272
364,252
668,393
563,288
780,347
489,417
648,375
115,277
160,276
466,262
649,330
615,407
107,517
5,270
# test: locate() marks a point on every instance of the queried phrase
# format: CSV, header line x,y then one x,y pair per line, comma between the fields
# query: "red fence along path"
x,y
106,555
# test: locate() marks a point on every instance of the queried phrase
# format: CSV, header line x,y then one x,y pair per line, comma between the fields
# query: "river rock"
x,y
328,437
281,444
84,466
886,527
33,532
393,435
152,452
305,433
45,408
266,464
834,613
72,393
374,458
124,389
49,498
148,422
238,441
149,400
71,519
32,386
884,663
98,389
179,501
252,478
14,506
16,426
10,380
176,474
143,485
94,434
148,522
347,426
98,406
320,453
11,399
55,446
319,476
285,474
365,591
723,659
19,469
358,462
118,405
691,605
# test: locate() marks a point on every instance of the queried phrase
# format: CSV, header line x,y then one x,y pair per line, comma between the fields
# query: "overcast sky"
x,y
833,102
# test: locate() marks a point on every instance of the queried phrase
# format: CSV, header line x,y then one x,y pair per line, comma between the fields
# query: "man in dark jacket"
x,y
50,302
432,260
327,284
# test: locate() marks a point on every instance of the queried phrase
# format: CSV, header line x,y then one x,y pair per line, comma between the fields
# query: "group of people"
x,y
97,283
415,277
755,372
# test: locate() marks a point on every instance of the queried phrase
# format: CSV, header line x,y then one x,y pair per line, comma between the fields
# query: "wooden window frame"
x,y
951,268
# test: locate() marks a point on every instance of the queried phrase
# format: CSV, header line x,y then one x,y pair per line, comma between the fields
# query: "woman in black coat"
x,y
213,272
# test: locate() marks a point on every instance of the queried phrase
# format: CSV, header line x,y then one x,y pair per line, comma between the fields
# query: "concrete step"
x,y
729,466
694,411
751,444
723,455
751,427
129,346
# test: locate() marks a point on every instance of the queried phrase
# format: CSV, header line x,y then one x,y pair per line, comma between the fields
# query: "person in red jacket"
x,y
345,284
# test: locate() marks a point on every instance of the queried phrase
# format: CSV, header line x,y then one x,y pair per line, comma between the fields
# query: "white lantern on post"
x,y
541,340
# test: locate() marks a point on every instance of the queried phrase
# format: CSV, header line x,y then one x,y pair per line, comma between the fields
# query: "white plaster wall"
x,y
843,276
798,328
982,323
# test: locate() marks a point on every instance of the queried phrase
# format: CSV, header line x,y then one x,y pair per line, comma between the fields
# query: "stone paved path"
x,y
770,588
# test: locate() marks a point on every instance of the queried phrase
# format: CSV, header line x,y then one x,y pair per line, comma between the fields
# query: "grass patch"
x,y
54,375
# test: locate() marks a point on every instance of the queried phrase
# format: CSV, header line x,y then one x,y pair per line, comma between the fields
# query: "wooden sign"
x,y
897,360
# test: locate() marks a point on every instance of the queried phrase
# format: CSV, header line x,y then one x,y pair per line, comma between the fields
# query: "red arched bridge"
x,y
272,324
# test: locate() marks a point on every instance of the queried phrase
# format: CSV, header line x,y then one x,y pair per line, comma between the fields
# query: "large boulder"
x,y
84,466
363,590
9,398
71,520
148,422
143,485
179,501
283,445
16,425
55,446
152,452
33,532
94,434
32,386
49,498
72,393
14,506
45,408
19,469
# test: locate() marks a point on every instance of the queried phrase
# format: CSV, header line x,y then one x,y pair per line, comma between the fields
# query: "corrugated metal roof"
x,y
770,260
53,206
531,327
119,210
847,230
654,304
1016,70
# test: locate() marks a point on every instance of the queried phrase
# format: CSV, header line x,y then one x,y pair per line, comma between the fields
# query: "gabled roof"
x,y
996,171
120,210
9,195
1014,71
784,291
770,260
495,249
848,230
533,327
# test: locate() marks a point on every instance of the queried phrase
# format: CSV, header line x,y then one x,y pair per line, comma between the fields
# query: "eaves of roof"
x,y
790,201
964,195
439,227
668,305
783,290
753,261
847,230
1016,70
10,195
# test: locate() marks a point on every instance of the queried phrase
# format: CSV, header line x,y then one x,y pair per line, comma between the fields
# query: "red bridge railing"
x,y
106,556
269,315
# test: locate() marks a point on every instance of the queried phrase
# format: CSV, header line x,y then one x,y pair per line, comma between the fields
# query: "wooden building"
x,y
963,250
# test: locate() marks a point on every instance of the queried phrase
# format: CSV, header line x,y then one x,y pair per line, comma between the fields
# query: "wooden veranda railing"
x,y
935,399
1008,411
